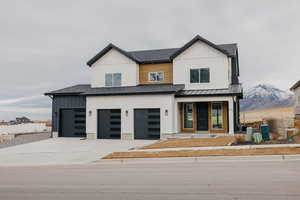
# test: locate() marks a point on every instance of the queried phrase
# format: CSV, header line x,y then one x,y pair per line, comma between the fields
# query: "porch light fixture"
x,y
166,112
90,113
126,113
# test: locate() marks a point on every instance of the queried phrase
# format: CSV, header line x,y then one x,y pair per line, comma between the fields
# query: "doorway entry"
x,y
202,116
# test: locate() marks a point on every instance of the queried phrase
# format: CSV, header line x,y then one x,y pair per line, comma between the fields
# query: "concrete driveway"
x,y
63,151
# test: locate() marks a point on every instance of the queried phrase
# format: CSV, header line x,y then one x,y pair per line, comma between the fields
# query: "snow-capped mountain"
x,y
265,96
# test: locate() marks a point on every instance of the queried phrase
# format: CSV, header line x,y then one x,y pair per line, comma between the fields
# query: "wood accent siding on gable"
x,y
144,70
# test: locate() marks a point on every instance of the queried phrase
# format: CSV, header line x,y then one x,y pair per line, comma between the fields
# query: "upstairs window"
x,y
113,79
156,76
199,75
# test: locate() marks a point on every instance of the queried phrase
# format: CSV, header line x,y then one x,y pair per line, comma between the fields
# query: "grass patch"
x,y
192,142
199,153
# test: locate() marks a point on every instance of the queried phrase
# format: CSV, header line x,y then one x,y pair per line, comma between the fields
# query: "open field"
x,y
258,115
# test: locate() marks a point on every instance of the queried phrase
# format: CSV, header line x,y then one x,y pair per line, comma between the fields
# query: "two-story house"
x,y
296,89
151,94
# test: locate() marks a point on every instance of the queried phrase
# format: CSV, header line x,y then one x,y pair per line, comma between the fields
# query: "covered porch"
x,y
204,116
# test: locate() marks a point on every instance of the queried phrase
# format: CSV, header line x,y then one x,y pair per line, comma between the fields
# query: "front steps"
x,y
196,135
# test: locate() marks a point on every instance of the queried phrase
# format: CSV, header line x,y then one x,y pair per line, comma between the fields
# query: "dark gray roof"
x,y
139,89
295,85
153,56
101,91
163,55
76,89
232,90
230,48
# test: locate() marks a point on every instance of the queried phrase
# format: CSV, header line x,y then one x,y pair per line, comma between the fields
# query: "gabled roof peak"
x,y
163,55
107,49
193,41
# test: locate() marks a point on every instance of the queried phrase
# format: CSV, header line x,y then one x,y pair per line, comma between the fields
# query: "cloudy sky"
x,y
44,45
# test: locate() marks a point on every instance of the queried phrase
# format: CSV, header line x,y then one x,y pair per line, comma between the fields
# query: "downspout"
x,y
236,120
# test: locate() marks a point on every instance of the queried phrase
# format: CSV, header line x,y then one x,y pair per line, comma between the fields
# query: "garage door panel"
x,y
109,124
72,122
147,123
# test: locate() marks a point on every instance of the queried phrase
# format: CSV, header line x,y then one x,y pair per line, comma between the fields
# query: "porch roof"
x,y
132,90
87,90
233,90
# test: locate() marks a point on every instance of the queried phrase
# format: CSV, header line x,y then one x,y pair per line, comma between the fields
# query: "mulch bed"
x,y
192,142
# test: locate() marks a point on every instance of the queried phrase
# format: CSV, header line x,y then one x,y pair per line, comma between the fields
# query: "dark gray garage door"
x,y
72,122
147,123
109,124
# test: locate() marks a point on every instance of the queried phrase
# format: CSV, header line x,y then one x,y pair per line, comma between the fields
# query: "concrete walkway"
x,y
64,151
222,147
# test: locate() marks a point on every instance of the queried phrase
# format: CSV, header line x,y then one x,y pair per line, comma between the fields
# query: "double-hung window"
x,y
200,75
156,76
113,79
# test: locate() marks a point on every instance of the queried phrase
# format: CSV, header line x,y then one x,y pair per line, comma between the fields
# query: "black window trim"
x,y
199,78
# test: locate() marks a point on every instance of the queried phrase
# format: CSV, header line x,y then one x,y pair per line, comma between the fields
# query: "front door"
x,y
202,116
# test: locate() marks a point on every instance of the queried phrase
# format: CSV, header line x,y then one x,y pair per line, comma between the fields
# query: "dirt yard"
x,y
192,142
258,115
199,153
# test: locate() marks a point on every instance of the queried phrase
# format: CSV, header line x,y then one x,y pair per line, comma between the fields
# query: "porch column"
x,y
175,118
230,117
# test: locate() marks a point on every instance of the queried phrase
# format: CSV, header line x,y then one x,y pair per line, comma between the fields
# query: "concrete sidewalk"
x,y
221,147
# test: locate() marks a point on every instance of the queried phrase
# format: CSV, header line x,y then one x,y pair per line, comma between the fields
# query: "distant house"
x,y
296,89
20,120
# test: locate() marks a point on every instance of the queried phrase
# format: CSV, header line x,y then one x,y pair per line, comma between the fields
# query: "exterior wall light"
x,y
90,113
166,112
126,113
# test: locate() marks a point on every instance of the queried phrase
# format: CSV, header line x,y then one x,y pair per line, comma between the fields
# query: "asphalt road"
x,y
182,181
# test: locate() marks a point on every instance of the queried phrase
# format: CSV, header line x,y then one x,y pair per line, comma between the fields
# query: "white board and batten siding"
x,y
200,55
129,103
114,62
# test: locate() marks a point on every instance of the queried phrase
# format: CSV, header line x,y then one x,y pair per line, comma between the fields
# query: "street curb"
x,y
199,159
